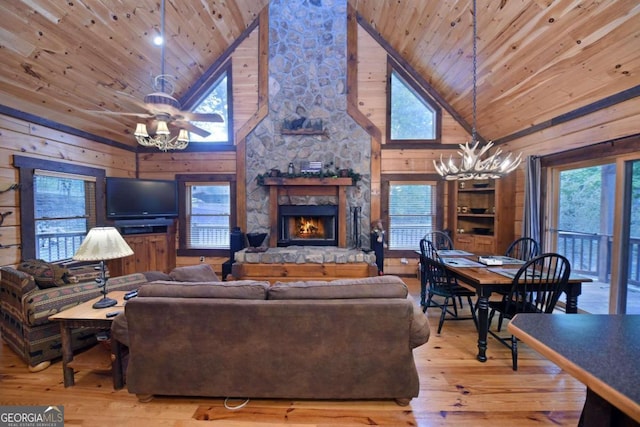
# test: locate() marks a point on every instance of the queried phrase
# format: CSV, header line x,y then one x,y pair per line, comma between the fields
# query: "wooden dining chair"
x,y
439,283
440,240
536,288
524,248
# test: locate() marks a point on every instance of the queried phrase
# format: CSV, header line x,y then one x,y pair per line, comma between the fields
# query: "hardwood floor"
x,y
455,390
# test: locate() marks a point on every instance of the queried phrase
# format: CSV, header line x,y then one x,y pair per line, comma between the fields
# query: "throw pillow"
x,y
194,273
45,274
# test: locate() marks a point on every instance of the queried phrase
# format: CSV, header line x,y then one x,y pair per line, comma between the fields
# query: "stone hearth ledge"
x,y
305,255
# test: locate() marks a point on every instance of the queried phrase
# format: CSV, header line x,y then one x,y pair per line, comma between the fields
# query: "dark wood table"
x,y
599,350
485,282
85,316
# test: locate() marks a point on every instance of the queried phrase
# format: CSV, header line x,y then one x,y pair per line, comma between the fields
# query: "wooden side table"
x,y
85,316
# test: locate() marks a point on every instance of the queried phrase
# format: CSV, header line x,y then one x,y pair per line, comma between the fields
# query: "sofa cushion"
x,y
369,287
45,274
152,276
194,273
239,289
120,329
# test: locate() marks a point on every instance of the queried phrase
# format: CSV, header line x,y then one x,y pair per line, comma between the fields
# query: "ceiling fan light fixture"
x,y
183,136
472,165
141,130
162,128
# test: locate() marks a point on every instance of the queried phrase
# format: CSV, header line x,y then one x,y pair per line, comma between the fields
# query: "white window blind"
x,y
412,213
208,215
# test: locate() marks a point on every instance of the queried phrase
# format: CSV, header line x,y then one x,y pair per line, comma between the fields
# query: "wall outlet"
x,y
201,259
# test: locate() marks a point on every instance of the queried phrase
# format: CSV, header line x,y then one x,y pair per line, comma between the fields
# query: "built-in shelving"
x,y
490,228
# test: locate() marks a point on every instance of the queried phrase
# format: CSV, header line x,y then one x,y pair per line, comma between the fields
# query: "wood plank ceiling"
x,y
536,59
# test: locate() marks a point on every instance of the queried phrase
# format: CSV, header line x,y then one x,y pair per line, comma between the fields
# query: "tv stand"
x,y
153,242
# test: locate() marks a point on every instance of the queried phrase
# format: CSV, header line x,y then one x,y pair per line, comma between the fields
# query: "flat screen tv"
x,y
129,198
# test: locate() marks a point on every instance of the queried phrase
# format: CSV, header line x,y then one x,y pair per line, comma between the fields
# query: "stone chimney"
x,y
307,83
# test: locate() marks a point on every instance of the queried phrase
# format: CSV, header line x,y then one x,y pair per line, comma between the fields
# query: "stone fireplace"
x,y
307,80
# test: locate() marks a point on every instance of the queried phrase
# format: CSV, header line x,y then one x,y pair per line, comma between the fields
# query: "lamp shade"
x,y
141,130
102,243
183,136
162,128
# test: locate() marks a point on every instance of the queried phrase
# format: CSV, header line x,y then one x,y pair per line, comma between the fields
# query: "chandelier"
x,y
471,164
162,139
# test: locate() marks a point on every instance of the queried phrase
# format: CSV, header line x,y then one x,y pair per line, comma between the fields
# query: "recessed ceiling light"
x,y
158,40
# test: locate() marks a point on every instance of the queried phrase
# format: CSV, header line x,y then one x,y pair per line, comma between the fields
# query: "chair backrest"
x,y
538,284
437,276
427,249
524,248
440,240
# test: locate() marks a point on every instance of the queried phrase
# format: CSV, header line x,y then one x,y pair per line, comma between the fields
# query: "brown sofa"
x,y
28,299
345,339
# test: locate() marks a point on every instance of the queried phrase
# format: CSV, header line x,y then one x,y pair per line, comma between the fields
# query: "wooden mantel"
x,y
307,187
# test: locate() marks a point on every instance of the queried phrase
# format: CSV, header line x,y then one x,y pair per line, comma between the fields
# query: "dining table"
x,y
489,279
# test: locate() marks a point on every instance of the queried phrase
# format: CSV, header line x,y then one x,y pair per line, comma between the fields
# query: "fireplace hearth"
x,y
308,225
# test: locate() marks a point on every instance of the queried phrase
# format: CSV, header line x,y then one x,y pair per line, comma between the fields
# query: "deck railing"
x,y
55,247
591,254
407,237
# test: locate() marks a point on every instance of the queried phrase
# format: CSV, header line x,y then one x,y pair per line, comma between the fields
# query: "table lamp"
x,y
100,244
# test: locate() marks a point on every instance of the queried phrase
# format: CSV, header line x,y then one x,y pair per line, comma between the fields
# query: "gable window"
x,y
58,206
213,96
412,212
413,117
207,205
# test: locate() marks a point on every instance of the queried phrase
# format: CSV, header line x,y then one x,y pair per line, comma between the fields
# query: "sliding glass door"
x,y
627,298
594,220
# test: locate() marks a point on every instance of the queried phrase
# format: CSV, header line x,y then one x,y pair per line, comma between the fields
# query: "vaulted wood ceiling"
x,y
537,59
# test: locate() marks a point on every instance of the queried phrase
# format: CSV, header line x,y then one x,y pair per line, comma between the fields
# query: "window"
x,y
61,227
207,205
412,213
214,97
58,206
208,216
413,116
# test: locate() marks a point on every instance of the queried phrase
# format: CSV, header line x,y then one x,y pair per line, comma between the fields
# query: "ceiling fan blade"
x,y
116,113
203,117
195,129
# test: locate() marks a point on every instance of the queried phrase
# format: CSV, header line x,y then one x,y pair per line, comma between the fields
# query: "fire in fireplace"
x,y
308,225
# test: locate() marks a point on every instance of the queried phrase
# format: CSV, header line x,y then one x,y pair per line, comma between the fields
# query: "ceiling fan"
x,y
162,106
164,110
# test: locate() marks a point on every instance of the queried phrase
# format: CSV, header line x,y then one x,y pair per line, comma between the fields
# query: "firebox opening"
x,y
307,225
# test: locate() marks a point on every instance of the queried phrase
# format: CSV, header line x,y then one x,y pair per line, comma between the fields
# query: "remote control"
x,y
113,314
130,294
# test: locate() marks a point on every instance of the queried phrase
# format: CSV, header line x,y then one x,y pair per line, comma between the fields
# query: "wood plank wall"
x,y
29,139
18,136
